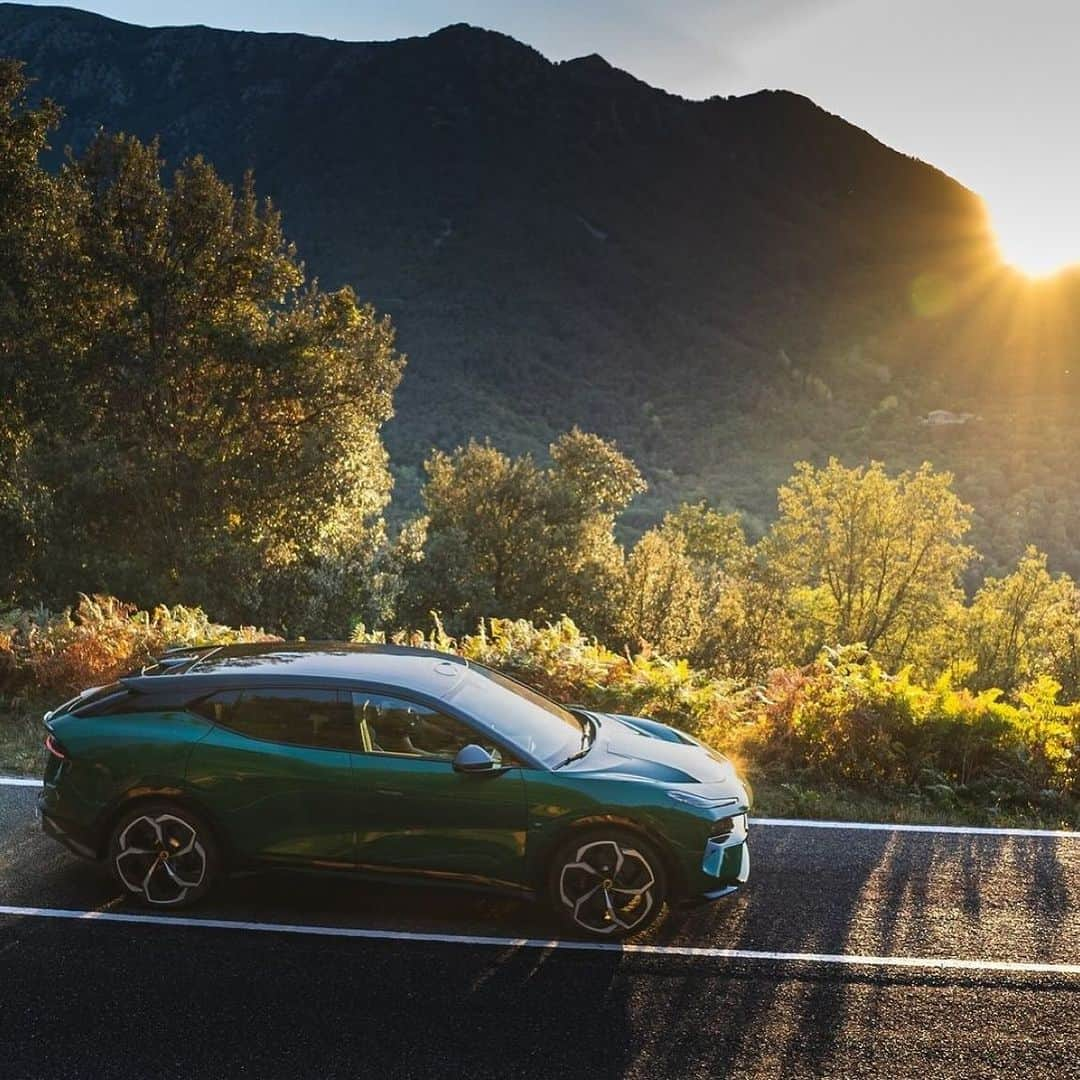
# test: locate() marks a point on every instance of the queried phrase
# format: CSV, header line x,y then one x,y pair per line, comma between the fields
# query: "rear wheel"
x,y
164,854
608,883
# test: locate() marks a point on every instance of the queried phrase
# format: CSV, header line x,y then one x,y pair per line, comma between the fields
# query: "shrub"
x,y
43,654
844,720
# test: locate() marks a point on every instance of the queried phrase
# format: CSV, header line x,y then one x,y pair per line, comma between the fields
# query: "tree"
x,y
749,630
213,433
714,543
663,598
35,238
510,538
869,558
1021,626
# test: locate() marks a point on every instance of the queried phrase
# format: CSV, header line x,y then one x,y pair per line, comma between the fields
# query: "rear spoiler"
x,y
180,659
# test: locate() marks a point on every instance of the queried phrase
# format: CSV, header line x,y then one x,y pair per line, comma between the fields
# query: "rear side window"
x,y
293,715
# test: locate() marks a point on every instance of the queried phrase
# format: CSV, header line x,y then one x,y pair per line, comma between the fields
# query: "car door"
x,y
276,769
417,814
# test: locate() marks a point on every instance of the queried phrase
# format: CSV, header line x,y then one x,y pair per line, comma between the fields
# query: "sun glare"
x,y
1031,241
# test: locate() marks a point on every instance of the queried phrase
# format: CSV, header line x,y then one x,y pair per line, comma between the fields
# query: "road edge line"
x,y
687,951
885,826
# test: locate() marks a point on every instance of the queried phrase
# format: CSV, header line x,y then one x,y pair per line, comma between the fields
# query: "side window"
x,y
300,716
394,726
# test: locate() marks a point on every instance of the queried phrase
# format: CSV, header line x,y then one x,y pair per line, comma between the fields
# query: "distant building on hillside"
x,y
940,417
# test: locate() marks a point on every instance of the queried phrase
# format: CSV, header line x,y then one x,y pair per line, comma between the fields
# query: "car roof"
x,y
192,669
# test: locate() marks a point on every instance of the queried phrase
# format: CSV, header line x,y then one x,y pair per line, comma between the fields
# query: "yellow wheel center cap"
x,y
608,883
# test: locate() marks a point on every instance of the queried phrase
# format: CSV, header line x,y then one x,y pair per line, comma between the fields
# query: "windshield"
x,y
525,718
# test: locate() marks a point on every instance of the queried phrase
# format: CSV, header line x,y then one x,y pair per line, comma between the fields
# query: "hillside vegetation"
x,y
724,287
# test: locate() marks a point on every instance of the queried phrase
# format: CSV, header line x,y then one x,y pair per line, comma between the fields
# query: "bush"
x,y
43,654
844,720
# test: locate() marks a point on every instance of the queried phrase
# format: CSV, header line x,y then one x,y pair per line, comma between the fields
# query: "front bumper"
x,y
725,864
717,861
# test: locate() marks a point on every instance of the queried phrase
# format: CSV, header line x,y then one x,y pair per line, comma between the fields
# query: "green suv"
x,y
394,763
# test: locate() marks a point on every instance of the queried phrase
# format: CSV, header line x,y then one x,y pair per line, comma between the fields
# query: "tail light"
x,y
53,745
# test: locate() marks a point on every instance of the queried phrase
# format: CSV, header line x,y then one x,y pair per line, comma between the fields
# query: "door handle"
x,y
388,791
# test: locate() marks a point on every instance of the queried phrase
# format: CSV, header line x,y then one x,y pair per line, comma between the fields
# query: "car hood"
x,y
636,748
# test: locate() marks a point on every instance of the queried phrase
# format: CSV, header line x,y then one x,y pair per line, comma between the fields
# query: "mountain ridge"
x,y
724,285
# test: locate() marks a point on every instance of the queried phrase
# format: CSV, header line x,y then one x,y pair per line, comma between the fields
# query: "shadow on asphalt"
x,y
892,900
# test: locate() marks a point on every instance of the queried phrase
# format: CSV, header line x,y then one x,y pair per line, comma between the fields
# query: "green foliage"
x,y
34,242
197,421
507,535
46,655
844,720
869,558
1021,626
715,542
663,600
750,629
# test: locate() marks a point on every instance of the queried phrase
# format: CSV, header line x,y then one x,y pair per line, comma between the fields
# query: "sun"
x,y
1035,239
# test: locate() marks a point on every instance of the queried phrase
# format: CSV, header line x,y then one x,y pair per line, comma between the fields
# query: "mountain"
x,y
724,286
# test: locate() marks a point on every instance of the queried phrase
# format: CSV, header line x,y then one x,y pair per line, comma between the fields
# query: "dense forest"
x,y
723,287
189,419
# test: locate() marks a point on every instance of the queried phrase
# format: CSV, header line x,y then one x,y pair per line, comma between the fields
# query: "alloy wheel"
x,y
608,887
161,858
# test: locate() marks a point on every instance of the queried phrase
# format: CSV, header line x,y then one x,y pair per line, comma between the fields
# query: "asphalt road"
x,y
82,997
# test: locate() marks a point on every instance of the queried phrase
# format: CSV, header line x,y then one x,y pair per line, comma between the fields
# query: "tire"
x,y
163,854
608,883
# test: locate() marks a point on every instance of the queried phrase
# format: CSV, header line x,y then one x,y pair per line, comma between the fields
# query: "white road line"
x,y
962,830
800,823
848,959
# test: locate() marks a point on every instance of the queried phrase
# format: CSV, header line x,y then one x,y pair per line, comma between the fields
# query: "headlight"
x,y
693,799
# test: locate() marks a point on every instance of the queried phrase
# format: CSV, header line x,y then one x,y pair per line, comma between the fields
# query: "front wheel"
x,y
608,883
164,854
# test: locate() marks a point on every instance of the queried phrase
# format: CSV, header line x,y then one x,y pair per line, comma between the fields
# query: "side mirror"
x,y
475,759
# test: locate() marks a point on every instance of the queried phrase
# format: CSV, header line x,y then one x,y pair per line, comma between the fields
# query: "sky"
x,y
984,89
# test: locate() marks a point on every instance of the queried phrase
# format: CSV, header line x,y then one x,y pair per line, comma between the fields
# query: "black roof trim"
x,y
193,672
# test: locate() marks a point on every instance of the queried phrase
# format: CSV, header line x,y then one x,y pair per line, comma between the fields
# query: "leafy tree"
x,y
714,543
35,236
869,558
1061,641
1005,621
749,630
663,594
1023,626
713,539
695,588
508,537
213,435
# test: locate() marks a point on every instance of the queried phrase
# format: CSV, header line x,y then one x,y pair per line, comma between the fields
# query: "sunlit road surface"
x,y
852,953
